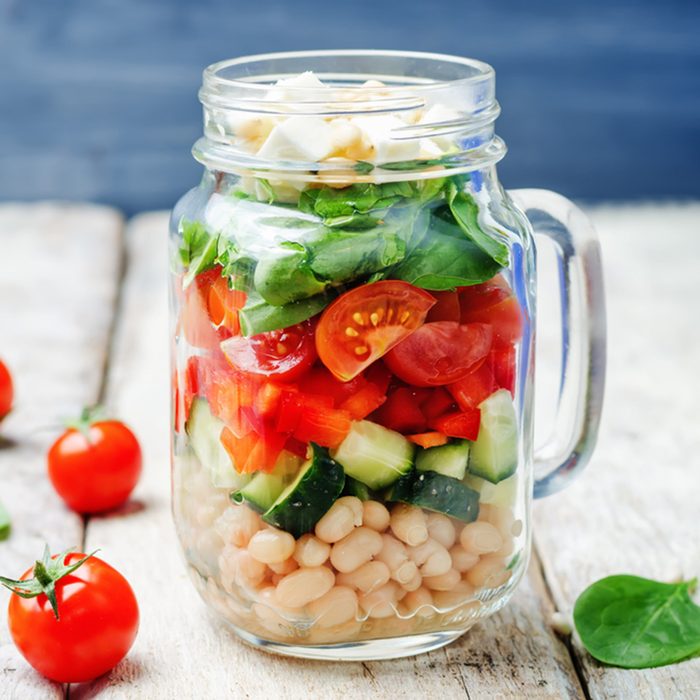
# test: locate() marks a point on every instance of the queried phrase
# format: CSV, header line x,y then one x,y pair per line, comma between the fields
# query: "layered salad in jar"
x,y
346,439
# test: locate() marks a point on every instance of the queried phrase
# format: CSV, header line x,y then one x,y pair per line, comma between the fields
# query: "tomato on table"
x,y
95,465
284,354
440,353
365,323
83,627
6,390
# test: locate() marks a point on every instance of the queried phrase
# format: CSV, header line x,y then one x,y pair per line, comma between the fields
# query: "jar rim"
x,y
478,71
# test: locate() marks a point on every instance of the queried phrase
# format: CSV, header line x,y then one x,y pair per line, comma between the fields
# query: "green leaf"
x,y
5,523
635,622
466,213
257,316
198,249
441,258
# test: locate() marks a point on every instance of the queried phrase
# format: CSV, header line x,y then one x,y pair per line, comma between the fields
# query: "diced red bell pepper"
x,y
228,393
463,424
402,412
296,447
292,405
427,440
471,390
267,400
252,452
504,367
238,448
363,402
223,304
439,402
324,426
320,381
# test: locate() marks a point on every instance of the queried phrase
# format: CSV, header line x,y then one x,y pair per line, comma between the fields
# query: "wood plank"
x,y
179,646
60,266
635,510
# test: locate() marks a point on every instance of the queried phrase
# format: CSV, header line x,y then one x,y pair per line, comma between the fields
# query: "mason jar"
x,y
353,320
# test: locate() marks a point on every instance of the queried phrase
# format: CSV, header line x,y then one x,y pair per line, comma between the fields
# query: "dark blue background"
x,y
601,99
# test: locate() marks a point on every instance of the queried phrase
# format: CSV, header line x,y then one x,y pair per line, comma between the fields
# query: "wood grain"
x,y
635,510
59,277
181,647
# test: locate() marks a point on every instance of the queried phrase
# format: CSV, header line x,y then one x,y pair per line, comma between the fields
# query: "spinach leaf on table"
x,y
5,523
635,622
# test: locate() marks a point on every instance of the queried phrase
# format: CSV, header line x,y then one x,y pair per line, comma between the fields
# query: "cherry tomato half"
x,y
6,390
283,354
95,468
440,353
98,622
363,324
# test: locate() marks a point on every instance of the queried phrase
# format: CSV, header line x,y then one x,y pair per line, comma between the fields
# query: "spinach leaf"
x,y
635,622
341,256
198,249
440,257
237,267
466,212
5,523
284,274
257,316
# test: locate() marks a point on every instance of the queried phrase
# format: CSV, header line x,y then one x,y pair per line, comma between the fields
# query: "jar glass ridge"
x,y
298,399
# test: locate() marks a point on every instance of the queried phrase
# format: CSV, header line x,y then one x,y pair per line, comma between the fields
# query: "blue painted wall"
x,y
601,99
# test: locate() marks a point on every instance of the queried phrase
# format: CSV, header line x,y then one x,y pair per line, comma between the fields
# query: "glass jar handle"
x,y
582,379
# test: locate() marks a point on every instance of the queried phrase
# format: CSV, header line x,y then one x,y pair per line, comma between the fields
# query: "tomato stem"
x,y
47,571
88,417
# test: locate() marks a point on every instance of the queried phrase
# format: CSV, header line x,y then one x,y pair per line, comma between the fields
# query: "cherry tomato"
x,y
440,353
283,354
98,619
6,390
195,323
446,309
363,324
481,296
95,466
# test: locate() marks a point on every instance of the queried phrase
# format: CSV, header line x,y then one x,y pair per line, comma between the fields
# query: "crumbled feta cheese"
x,y
299,138
436,114
378,131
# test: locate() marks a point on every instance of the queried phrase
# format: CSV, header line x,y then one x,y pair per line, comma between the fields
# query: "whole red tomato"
x,y
82,630
6,390
95,465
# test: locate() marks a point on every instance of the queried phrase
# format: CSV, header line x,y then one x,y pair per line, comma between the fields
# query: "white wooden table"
x,y
83,318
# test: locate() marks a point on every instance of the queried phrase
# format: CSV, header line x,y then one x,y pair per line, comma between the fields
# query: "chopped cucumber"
x,y
374,455
438,493
494,454
264,489
302,504
204,430
356,488
448,460
501,494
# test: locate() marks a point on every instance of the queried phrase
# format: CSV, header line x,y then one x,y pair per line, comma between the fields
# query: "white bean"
x,y
432,558
337,606
356,506
271,546
239,567
490,572
285,567
419,602
355,549
516,528
441,529
302,586
443,582
310,551
481,538
460,595
268,608
237,524
461,559
367,577
382,602
337,523
413,583
375,515
393,553
409,524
